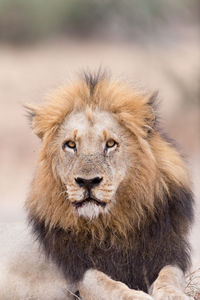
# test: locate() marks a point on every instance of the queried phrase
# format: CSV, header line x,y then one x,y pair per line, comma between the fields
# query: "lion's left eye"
x,y
69,144
111,143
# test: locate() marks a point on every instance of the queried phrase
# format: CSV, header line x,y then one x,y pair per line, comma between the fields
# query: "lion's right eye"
x,y
111,143
69,144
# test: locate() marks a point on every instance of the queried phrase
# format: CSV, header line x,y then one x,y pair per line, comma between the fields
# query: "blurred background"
x,y
154,44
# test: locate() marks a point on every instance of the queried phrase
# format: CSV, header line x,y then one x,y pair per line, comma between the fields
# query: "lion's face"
x,y
91,161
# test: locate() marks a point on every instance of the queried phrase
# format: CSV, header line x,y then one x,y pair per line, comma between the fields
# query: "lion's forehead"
x,y
92,125
91,130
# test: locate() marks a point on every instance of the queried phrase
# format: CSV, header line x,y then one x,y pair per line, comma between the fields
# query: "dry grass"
x,y
193,284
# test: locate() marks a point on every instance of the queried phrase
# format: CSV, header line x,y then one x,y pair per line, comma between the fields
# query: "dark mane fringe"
x,y
161,241
93,78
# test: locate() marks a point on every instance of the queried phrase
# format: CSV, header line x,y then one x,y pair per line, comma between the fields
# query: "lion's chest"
x,y
76,256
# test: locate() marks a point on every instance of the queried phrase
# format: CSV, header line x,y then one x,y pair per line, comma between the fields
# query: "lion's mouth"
x,y
78,204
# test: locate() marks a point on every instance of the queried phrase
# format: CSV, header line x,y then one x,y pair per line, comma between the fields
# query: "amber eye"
x,y
110,143
69,144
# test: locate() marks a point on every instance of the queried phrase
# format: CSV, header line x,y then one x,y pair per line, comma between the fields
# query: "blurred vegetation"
x,y
25,21
189,93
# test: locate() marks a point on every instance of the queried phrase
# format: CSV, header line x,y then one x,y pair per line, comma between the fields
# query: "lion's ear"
x,y
34,117
150,119
153,100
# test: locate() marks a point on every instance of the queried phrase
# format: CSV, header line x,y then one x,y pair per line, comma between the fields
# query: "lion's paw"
x,y
169,293
135,295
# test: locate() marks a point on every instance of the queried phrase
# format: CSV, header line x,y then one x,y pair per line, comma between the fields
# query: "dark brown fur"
x,y
159,242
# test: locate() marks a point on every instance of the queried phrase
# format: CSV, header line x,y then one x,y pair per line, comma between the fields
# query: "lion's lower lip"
x,y
89,200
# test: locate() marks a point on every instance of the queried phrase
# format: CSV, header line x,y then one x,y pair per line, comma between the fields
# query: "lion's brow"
x,y
75,134
105,135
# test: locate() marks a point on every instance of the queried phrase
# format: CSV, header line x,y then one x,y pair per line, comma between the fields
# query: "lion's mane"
x,y
147,227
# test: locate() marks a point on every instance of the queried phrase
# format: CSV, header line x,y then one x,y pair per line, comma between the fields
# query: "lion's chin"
x,y
78,204
90,210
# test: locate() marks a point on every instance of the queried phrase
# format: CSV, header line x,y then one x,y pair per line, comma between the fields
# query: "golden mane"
x,y
160,167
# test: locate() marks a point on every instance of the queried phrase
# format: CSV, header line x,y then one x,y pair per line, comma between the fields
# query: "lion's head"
x,y
103,161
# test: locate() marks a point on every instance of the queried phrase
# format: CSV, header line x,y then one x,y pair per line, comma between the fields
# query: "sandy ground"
x,y
28,73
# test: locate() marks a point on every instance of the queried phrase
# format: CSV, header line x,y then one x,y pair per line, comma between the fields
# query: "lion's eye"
x,y
110,143
69,144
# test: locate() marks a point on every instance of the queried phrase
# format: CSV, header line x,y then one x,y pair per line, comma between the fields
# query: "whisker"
x,y
74,196
62,193
72,190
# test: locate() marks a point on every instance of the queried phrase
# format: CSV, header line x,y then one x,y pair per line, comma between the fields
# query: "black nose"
x,y
88,183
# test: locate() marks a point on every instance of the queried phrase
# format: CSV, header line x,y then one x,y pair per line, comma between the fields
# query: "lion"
x,y
110,201
25,272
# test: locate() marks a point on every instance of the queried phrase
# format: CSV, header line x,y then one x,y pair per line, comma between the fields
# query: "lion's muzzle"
x,y
90,201
88,184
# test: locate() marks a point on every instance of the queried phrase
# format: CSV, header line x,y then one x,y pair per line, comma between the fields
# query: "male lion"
x,y
110,200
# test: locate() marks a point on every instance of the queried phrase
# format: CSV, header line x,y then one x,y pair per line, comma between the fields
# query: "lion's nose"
x,y
88,183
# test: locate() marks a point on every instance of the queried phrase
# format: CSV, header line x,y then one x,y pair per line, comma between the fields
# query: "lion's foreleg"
x,y
169,285
98,286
